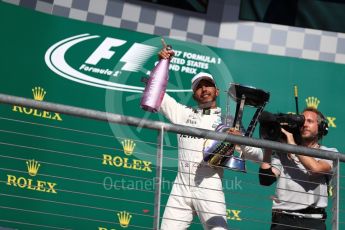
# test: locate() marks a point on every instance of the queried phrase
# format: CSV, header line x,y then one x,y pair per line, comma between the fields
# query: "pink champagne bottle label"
x,y
156,87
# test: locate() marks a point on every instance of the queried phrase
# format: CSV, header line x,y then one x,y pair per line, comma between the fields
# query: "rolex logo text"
x,y
125,162
38,94
233,214
30,183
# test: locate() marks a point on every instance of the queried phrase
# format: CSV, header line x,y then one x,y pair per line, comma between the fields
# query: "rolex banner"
x,y
64,172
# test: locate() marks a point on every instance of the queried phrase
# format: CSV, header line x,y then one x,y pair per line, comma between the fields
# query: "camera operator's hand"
x,y
289,140
289,137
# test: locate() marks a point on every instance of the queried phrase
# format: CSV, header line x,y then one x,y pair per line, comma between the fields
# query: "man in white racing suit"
x,y
197,187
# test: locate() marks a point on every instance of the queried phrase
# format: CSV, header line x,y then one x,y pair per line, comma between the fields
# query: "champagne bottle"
x,y
156,86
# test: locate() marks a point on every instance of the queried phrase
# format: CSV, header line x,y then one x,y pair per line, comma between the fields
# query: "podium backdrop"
x,y
63,172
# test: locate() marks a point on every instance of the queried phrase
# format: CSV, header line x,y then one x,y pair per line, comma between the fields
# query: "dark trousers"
x,y
281,221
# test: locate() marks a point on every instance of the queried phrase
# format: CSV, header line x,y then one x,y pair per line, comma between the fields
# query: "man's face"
x,y
309,130
206,93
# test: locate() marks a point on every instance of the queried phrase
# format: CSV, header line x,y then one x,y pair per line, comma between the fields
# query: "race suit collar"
x,y
208,111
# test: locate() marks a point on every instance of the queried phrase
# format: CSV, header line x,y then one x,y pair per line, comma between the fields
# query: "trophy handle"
x,y
239,113
254,121
237,125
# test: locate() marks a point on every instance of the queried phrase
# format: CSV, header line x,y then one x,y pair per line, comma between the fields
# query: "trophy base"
x,y
235,164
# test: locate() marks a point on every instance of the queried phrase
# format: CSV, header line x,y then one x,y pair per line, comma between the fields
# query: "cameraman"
x,y
301,193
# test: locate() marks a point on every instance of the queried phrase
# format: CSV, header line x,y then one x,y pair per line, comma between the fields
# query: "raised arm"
x,y
310,163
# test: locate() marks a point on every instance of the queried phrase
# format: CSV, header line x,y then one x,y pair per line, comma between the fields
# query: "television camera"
x,y
271,124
